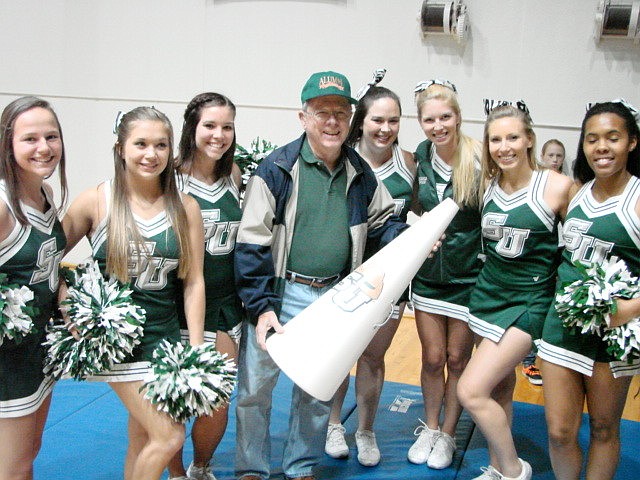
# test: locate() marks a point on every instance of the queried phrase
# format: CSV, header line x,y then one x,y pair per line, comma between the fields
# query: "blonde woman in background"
x,y
553,155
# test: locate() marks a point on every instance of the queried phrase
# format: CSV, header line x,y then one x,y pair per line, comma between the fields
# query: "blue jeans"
x,y
257,377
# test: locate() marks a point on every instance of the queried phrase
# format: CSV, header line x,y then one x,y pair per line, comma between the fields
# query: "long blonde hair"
x,y
121,226
465,176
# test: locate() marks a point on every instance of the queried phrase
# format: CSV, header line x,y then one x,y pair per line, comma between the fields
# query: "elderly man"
x,y
309,210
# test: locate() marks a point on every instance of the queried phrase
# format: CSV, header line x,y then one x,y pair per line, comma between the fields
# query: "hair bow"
x,y
424,84
117,121
378,75
633,110
490,104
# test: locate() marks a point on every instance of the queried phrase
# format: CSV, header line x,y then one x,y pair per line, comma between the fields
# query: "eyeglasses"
x,y
324,115
436,81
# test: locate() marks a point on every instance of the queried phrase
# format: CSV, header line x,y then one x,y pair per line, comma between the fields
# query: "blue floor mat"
x,y
530,435
86,435
400,408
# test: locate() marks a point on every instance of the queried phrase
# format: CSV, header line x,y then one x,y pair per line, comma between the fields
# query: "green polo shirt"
x,y
321,241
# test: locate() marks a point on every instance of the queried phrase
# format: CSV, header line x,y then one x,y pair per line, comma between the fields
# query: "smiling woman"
x,y
521,211
207,172
374,135
448,167
602,223
144,232
31,245
37,144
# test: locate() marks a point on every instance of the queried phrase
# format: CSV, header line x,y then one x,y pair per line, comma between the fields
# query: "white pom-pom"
x,y
187,381
586,306
16,310
107,322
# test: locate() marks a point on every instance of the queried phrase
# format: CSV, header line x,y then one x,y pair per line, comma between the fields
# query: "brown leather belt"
x,y
314,282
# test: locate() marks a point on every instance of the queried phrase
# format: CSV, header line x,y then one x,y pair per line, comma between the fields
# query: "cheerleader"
x,y
32,243
143,231
448,167
206,171
603,220
522,206
374,134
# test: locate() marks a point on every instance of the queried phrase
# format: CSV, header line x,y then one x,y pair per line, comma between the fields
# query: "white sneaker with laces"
x,y
335,445
200,473
489,473
421,448
368,452
442,452
525,474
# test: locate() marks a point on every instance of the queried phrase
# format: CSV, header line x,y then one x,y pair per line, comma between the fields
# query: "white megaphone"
x,y
321,344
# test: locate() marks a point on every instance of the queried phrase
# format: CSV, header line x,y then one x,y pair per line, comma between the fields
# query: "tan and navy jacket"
x,y
268,222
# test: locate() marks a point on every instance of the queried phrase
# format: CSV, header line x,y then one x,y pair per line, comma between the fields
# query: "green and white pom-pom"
x,y
107,322
16,311
248,160
587,304
186,381
624,341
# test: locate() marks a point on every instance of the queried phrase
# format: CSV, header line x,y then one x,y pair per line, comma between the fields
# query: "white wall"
x,y
92,58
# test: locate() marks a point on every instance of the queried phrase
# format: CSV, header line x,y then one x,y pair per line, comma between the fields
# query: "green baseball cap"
x,y
321,84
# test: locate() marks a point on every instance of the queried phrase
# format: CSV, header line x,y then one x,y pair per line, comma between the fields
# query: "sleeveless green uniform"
x,y
155,285
398,180
221,213
443,284
30,256
593,232
516,284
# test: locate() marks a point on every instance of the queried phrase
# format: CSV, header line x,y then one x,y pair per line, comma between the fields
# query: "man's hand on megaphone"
x,y
266,322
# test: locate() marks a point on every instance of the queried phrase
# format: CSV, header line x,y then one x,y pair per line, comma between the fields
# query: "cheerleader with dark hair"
x,y
603,220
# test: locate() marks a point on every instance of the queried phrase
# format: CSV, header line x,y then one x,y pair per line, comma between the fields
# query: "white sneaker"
x,y
442,452
336,446
368,452
489,473
525,474
200,473
421,448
